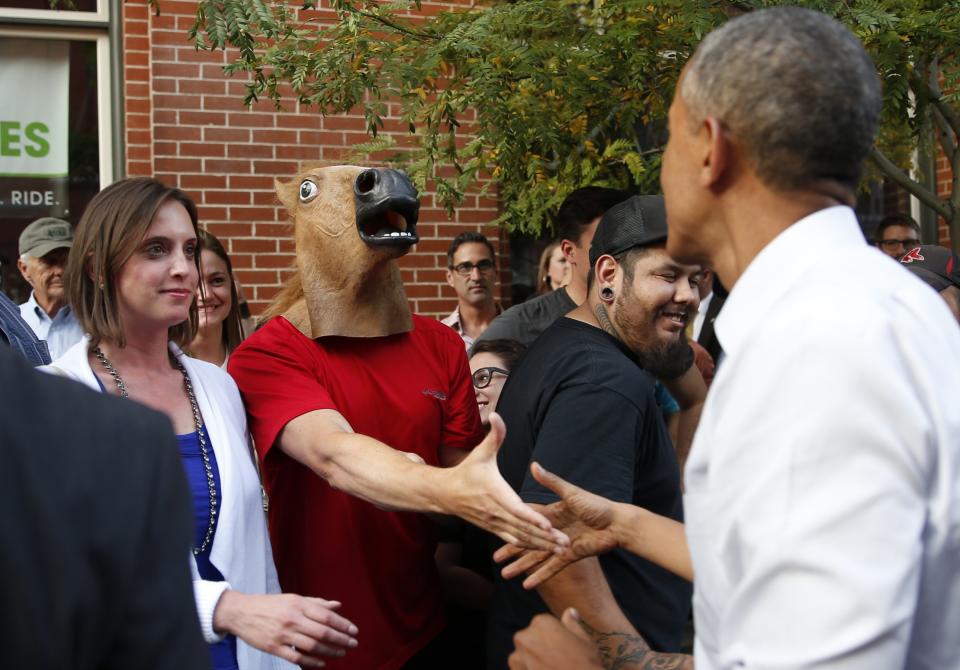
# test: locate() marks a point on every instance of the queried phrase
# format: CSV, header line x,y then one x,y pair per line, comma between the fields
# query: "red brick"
x,y
165,116
203,118
212,134
165,148
251,182
139,168
176,70
251,150
165,85
206,149
138,121
275,168
204,181
422,290
254,277
138,106
250,120
270,136
177,101
169,164
253,245
201,86
135,59
226,230
138,137
225,165
210,213
231,197
185,133
304,153
253,214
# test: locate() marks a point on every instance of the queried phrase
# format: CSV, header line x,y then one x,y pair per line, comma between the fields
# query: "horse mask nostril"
x,y
367,181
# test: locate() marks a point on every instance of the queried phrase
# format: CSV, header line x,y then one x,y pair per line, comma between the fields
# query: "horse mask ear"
x,y
286,193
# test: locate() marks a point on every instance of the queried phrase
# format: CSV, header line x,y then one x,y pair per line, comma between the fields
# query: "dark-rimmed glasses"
x,y
466,269
481,378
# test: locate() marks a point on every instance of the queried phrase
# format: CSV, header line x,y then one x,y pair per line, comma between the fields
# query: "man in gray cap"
x,y
939,268
44,246
581,403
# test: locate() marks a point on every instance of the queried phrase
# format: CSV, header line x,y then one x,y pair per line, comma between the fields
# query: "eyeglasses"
x,y
466,269
482,377
892,244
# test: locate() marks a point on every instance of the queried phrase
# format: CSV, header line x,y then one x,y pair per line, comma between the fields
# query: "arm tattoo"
x,y
623,651
604,320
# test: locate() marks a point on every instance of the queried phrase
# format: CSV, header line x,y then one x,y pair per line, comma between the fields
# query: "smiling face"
x,y
156,286
215,301
653,306
488,396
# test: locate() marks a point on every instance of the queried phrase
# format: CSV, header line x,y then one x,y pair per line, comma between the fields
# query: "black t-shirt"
x,y
579,405
525,322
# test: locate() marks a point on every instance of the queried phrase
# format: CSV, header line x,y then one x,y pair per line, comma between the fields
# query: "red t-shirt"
x,y
411,391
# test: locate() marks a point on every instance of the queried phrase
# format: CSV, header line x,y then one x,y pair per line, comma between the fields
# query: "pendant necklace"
x,y
198,422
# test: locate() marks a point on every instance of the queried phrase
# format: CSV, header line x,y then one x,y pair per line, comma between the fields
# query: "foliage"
x,y
544,96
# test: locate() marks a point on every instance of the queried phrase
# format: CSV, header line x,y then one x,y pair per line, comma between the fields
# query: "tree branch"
x,y
946,135
950,115
922,193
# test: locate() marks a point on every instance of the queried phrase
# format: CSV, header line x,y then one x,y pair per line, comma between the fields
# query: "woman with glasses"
x,y
132,280
490,365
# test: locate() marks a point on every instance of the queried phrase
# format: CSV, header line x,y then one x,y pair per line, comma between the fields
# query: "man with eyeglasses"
x,y
897,233
471,271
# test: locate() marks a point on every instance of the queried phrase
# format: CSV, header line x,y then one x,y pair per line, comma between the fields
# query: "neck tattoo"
x,y
604,319
198,423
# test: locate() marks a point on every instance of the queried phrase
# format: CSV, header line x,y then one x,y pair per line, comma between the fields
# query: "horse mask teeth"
x,y
351,225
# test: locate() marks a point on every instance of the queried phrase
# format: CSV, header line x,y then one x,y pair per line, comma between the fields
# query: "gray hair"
x,y
798,90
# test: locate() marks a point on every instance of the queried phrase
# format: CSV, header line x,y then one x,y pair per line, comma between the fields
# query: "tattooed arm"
x,y
569,644
627,650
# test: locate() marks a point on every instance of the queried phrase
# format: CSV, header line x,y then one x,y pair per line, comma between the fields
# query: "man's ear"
x,y
606,269
568,249
450,278
716,152
23,270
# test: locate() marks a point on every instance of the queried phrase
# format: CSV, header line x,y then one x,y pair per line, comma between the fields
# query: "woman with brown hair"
x,y
218,303
554,270
131,279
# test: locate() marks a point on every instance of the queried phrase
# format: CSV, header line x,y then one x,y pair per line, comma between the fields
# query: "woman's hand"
x,y
296,628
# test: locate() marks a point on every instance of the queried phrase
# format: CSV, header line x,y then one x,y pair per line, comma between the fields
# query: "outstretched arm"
x,y
324,441
596,525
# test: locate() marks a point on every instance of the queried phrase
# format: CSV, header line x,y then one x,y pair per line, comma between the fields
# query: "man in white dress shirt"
x,y
44,246
823,487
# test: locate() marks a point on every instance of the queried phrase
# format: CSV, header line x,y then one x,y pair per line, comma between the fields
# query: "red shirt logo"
x,y
912,255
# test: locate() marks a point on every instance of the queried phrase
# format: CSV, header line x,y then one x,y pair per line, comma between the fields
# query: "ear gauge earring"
x,y
606,294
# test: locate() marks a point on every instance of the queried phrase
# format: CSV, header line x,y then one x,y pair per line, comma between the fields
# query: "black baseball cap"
x,y
937,266
636,222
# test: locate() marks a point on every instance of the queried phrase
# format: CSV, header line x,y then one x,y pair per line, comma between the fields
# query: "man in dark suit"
x,y
94,531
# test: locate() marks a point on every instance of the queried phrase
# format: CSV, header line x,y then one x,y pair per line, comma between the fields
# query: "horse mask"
x,y
351,224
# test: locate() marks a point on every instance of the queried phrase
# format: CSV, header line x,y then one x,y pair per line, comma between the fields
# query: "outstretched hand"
x,y
552,644
587,519
478,493
296,628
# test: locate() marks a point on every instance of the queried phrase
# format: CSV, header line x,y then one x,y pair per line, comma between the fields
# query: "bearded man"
x,y
581,403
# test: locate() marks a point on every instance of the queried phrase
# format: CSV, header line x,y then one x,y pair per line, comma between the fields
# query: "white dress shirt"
x,y
823,486
700,317
60,333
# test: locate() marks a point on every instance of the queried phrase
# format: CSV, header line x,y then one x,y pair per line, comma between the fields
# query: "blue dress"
x,y
224,653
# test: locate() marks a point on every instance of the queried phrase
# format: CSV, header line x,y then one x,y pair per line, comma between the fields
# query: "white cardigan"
x,y
241,548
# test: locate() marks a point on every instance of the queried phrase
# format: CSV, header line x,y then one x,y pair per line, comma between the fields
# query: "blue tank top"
x,y
223,653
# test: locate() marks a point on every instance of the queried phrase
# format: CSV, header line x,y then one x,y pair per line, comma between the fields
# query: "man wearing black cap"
x,y
44,246
940,269
581,403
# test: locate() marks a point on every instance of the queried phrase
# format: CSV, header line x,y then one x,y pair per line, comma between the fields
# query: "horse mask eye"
x,y
308,190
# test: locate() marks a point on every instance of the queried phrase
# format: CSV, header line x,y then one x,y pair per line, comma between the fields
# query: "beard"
x,y
668,360
664,360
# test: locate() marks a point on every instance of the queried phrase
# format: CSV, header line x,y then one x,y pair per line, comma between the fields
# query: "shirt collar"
x,y
780,266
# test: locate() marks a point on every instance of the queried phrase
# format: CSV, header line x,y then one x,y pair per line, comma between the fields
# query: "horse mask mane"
x,y
351,224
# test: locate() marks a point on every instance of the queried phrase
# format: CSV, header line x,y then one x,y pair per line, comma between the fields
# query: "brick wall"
x,y
187,126
944,181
